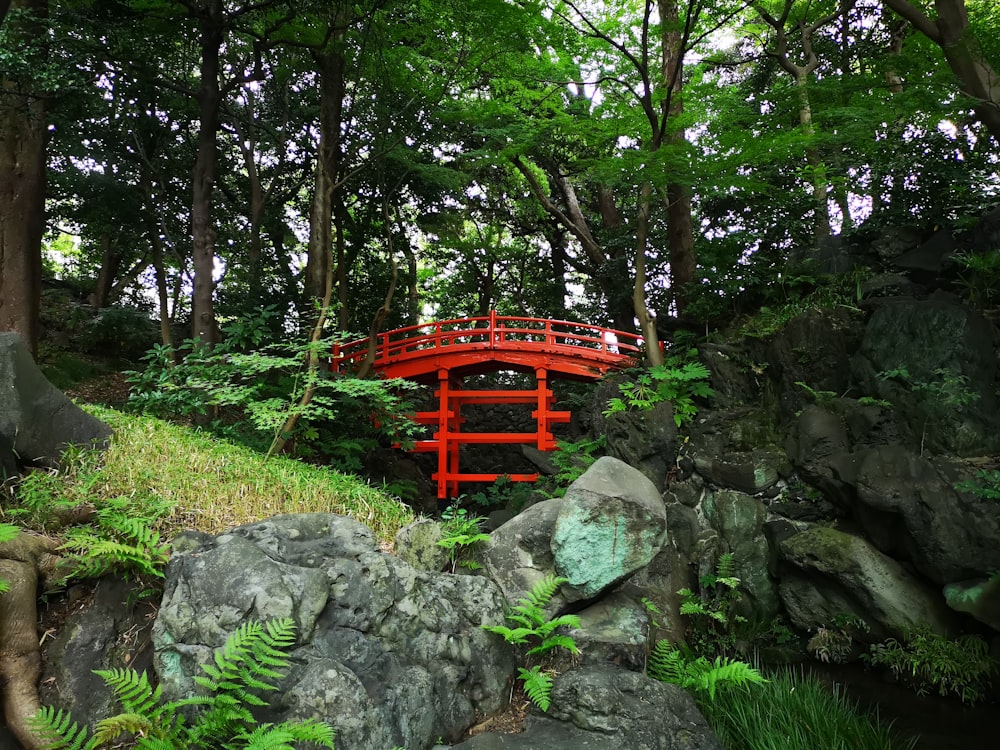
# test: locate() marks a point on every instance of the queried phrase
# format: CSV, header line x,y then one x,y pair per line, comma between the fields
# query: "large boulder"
x,y
387,654
106,629
909,508
602,708
519,553
37,419
611,523
934,361
827,574
739,521
646,440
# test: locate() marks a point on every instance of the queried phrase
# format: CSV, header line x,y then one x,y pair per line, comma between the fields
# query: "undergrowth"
x,y
793,711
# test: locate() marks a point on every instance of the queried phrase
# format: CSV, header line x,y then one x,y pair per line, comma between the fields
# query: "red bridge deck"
x,y
446,351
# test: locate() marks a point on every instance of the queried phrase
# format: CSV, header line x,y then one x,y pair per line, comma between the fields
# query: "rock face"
x,y
611,523
948,391
389,655
37,421
829,574
604,708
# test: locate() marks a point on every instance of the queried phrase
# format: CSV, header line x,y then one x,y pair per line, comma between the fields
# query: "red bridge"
x,y
446,351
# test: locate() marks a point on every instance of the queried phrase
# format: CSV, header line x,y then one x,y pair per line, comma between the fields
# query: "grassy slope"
x,y
213,485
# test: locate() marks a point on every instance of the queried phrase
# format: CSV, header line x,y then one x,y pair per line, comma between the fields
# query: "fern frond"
x,y
57,728
281,736
517,636
667,664
556,641
113,727
137,696
537,686
563,621
726,566
544,590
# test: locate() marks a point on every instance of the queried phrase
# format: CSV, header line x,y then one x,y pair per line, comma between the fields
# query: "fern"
x,y
537,686
248,662
698,674
58,730
529,614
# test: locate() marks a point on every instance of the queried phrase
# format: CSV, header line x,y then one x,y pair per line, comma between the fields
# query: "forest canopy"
x,y
385,161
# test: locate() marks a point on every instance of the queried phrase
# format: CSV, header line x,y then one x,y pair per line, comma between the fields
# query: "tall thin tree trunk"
x,y
203,323
647,323
22,187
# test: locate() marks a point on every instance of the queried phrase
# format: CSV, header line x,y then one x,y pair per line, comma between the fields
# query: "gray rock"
x,y
519,553
417,544
388,654
111,632
645,440
739,521
615,630
909,508
604,708
611,523
949,396
979,598
36,418
826,574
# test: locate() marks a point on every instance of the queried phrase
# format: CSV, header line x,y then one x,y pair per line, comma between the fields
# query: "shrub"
x,y
929,661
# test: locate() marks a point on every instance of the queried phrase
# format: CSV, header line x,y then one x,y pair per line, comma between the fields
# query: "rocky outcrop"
x,y
828,575
610,523
37,421
388,654
604,708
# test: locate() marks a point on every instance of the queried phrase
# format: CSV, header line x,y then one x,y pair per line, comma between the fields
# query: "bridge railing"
x,y
494,331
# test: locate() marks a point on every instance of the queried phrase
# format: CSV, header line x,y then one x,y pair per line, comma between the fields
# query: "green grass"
x,y
793,711
188,480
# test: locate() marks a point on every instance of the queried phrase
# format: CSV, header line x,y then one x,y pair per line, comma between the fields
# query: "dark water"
x,y
938,723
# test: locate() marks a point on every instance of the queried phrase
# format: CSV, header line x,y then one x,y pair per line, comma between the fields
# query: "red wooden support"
x,y
445,351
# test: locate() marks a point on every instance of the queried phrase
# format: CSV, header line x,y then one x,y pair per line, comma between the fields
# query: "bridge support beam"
x,y
448,437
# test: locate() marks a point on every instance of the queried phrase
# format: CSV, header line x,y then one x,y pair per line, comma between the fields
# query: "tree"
x,y
23,129
963,50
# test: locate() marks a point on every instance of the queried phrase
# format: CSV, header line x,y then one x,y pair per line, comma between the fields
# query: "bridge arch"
x,y
443,353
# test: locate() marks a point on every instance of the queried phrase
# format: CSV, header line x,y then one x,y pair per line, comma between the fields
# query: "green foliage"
x,y
928,661
118,536
713,610
793,711
676,381
822,398
246,665
503,493
980,276
986,485
948,388
7,533
530,625
460,532
123,331
572,459
696,673
835,644
537,686
250,395
118,541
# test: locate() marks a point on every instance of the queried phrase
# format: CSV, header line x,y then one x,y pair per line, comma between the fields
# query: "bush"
x,y
932,662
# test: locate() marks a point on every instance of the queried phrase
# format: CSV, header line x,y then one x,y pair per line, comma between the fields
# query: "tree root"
x,y
23,561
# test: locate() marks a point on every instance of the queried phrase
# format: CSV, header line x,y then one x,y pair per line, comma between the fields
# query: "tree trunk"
x,y
203,323
964,53
817,170
680,227
647,323
331,68
22,189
